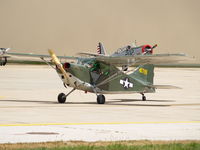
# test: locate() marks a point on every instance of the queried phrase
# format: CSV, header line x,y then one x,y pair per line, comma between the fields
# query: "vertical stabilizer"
x,y
101,49
144,73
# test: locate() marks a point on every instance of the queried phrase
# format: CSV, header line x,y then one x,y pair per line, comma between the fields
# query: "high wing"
x,y
5,56
143,59
113,60
28,55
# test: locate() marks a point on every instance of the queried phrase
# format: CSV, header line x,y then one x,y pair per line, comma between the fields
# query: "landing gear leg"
x,y
143,97
62,97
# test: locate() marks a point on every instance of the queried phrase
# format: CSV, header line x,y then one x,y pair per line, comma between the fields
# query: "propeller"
x,y
154,46
148,49
56,61
151,49
69,79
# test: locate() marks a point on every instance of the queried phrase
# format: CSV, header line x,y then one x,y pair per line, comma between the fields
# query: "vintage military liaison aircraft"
x,y
105,74
3,56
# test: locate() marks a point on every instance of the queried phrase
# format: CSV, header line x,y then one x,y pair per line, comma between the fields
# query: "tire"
x,y
101,99
61,98
144,98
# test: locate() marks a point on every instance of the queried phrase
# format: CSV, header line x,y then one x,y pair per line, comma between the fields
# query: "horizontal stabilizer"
x,y
164,87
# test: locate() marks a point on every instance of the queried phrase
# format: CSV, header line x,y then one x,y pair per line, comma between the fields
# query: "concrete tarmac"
x,y
29,111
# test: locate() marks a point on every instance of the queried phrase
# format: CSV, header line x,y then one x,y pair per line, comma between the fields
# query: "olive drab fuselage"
x,y
108,78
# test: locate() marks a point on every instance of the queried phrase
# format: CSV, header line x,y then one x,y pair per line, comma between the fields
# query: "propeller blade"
x,y
154,46
56,61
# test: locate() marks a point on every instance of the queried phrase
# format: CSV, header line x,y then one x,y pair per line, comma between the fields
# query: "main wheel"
x,y
144,98
101,99
61,98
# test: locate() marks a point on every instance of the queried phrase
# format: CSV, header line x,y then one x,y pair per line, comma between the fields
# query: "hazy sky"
x,y
71,26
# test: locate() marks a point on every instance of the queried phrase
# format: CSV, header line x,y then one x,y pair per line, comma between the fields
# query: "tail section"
x,y
144,73
101,49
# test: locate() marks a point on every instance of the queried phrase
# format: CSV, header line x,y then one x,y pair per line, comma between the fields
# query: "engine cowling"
x,y
66,65
147,49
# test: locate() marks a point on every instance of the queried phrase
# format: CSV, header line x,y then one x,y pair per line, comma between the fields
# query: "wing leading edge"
x,y
38,55
144,59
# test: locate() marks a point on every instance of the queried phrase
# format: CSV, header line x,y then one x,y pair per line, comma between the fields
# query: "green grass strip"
x,y
110,146
192,146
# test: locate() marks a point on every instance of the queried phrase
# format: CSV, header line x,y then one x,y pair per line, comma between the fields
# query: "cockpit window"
x,y
119,50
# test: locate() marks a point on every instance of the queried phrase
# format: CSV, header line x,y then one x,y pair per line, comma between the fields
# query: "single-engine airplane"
x,y
100,74
127,50
124,51
3,56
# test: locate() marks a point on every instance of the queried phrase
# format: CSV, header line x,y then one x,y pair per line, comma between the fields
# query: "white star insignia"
x,y
126,83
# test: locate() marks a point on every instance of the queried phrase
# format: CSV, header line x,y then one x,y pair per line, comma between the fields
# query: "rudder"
x,y
101,49
144,73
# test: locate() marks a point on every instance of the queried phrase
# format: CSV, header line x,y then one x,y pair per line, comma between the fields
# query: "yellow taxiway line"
x,y
99,123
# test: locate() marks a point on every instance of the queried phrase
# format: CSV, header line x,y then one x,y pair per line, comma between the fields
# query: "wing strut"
x,y
48,63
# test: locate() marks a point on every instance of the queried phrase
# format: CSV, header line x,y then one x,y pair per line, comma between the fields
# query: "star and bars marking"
x,y
126,84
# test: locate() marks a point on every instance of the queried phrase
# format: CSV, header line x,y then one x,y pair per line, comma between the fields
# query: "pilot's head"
x,y
128,47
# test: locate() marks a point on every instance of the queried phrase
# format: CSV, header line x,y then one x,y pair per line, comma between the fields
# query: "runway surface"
x,y
29,111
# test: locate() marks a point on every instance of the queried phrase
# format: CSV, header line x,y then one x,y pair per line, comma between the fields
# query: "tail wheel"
x,y
61,98
101,99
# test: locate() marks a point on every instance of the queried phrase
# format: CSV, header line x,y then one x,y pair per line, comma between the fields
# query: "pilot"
x,y
95,67
128,47
128,50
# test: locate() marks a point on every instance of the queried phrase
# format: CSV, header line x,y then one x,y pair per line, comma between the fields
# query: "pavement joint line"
x,y
98,123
